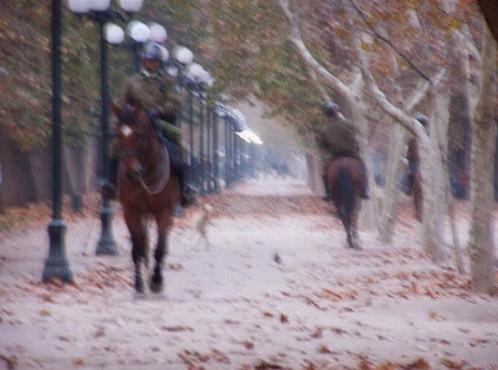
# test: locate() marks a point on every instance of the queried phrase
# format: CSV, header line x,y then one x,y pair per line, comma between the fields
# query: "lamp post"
x,y
56,265
101,12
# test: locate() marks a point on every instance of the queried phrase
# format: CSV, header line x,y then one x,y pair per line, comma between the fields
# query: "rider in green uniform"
x,y
154,91
337,138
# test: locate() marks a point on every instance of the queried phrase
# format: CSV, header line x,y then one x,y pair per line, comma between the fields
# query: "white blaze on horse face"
x,y
126,130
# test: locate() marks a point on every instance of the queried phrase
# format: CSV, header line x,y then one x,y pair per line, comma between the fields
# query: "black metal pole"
x,y
210,149
202,157
216,150
191,132
56,265
106,244
236,156
228,159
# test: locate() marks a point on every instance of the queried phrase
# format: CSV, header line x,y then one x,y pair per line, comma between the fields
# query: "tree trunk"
x,y
481,242
460,126
435,206
391,190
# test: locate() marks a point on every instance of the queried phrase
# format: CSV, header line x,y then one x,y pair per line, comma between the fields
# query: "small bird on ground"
x,y
277,258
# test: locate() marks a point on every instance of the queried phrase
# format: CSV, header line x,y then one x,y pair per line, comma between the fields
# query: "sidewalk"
x,y
234,307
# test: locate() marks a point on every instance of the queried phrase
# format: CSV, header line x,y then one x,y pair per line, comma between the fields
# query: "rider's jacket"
x,y
156,92
337,136
153,91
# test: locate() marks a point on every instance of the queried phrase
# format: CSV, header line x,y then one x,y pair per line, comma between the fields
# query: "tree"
x,y
481,242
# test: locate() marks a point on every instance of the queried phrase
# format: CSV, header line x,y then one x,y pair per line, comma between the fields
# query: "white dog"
x,y
201,223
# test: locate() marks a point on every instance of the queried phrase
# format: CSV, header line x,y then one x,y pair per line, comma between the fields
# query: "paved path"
x,y
234,307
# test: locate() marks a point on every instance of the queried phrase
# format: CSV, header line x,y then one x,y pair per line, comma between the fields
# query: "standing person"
x,y
337,138
154,92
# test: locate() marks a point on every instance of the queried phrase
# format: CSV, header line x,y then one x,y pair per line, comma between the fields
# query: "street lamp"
x,y
158,33
101,12
56,265
139,33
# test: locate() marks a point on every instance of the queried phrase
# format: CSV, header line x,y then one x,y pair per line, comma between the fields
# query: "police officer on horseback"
x,y
337,138
154,91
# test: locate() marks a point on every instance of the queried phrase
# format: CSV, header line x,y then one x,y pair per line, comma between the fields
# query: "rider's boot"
x,y
109,188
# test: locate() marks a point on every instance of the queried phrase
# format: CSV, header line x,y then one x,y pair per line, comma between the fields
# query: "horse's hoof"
x,y
139,287
156,284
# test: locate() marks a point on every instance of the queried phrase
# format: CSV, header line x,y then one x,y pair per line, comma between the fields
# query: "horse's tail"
x,y
346,193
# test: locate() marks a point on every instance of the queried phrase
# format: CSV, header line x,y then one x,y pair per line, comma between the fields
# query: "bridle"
x,y
138,152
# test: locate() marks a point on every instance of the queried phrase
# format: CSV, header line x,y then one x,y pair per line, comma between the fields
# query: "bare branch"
x,y
389,42
317,83
296,38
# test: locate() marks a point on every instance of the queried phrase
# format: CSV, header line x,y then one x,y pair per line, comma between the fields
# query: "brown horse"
x,y
146,188
345,178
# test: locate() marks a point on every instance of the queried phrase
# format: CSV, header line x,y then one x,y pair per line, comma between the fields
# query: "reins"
x,y
164,178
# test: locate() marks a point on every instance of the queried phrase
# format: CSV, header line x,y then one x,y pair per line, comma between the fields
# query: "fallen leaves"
x,y
453,364
99,332
195,360
10,361
176,328
44,312
419,364
365,363
248,344
264,365
284,319
78,361
175,266
436,316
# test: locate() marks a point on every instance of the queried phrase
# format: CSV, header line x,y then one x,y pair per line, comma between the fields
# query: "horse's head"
x,y
132,132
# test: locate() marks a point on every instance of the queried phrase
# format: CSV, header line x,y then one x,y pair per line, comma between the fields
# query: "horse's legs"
x,y
138,240
163,224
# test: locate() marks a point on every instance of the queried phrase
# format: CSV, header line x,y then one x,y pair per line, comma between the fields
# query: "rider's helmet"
x,y
422,118
330,108
152,51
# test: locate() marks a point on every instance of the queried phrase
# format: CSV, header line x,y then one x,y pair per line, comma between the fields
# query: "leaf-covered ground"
x,y
233,307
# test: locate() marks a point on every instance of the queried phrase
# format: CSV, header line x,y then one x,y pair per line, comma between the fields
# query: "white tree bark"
x,y
432,238
438,134
397,148
481,242
397,151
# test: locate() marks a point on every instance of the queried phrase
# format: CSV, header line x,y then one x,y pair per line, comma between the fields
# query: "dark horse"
x,y
345,178
146,188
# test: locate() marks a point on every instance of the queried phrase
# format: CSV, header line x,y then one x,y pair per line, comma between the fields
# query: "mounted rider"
x,y
337,138
155,92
